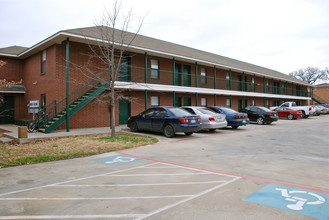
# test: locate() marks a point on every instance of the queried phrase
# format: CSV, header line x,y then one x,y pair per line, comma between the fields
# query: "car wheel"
x,y
133,126
290,117
235,127
303,114
212,130
188,133
169,131
260,121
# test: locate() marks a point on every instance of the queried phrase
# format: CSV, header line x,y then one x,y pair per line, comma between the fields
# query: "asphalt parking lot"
x,y
255,172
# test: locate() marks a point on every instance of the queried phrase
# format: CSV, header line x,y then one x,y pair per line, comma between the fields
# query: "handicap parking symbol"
x,y
117,160
305,202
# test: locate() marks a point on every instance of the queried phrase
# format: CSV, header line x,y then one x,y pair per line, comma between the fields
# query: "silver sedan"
x,y
210,120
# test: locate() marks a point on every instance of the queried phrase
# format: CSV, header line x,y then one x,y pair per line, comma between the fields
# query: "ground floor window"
x,y
228,102
155,101
203,101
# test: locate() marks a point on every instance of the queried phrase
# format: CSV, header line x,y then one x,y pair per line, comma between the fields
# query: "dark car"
x,y
167,120
261,115
233,118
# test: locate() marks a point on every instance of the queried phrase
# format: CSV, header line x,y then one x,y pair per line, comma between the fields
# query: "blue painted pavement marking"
x,y
117,160
301,201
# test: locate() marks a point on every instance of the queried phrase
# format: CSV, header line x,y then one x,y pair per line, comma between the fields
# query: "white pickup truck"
x,y
306,110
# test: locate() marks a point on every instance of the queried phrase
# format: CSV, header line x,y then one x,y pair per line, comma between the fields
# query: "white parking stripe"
x,y
187,199
148,184
174,199
166,174
99,198
73,216
69,181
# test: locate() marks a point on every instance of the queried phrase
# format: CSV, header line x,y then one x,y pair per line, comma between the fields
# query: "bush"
x,y
22,122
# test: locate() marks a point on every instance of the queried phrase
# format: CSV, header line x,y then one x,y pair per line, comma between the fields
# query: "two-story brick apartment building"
x,y
157,73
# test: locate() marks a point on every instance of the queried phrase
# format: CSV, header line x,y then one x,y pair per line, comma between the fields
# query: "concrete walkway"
x,y
12,133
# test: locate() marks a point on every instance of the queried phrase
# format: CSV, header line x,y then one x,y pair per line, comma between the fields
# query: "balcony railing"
x,y
152,76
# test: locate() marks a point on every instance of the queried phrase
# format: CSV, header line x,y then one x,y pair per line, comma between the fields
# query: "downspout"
x,y
174,81
215,84
67,84
196,83
146,80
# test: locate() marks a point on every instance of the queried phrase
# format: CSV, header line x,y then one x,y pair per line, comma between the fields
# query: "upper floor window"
x,y
228,78
154,69
203,76
43,61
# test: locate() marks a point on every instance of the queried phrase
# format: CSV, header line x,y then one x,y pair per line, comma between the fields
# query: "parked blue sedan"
x,y
233,118
167,120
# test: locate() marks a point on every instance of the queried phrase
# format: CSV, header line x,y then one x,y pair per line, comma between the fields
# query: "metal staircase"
x,y
55,113
318,99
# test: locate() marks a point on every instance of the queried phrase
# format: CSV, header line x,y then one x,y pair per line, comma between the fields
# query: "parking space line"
x,y
148,184
98,198
54,184
73,216
175,198
165,174
231,174
187,199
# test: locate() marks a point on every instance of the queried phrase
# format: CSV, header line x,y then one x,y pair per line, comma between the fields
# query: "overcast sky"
x,y
284,35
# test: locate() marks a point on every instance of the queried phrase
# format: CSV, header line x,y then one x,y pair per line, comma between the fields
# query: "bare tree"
x,y
114,42
311,74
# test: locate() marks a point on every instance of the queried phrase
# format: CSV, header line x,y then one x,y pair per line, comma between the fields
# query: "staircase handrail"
x,y
54,107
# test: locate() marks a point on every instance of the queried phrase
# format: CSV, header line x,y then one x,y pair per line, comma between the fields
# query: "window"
x,y
267,86
253,102
43,101
154,69
43,61
228,102
203,76
203,102
228,79
154,100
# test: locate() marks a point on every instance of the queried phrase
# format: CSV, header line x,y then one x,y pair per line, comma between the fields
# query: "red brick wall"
x,y
12,69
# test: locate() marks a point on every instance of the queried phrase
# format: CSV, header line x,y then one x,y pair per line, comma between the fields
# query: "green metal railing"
x,y
59,107
191,80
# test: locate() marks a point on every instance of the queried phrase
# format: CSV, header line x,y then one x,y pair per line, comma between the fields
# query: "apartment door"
x,y
239,105
187,75
7,110
240,83
124,71
187,101
178,74
178,101
124,111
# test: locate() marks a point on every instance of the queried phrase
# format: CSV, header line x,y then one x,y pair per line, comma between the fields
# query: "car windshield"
x,y
180,112
229,110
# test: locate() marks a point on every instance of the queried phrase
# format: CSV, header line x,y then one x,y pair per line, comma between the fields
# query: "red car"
x,y
284,112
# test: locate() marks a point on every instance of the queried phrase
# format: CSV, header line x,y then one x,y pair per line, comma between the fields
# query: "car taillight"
x,y
236,116
211,119
199,119
183,120
271,114
310,109
246,116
